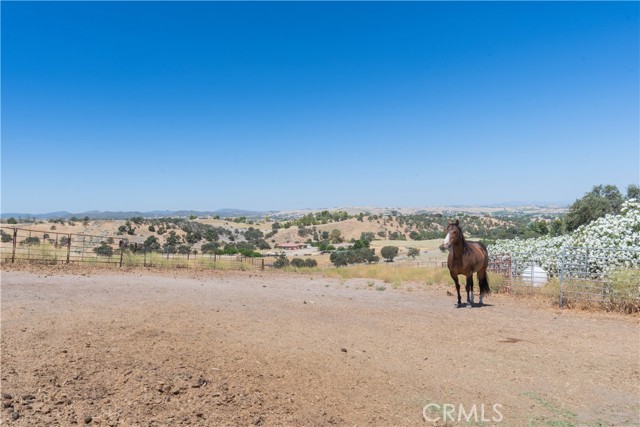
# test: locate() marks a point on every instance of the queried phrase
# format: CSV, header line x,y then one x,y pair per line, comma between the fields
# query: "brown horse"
x,y
466,258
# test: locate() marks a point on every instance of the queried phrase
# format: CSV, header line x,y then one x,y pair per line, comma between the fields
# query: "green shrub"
x,y
353,256
103,249
413,252
249,253
281,261
152,243
209,248
339,258
325,246
184,249
397,236
359,244
6,237
31,241
389,252
297,262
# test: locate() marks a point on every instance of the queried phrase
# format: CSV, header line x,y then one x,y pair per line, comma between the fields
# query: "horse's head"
x,y
454,234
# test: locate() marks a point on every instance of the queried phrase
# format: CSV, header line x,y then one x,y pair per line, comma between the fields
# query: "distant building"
x,y
291,246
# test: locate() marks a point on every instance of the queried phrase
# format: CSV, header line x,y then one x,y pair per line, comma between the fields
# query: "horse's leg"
x,y
470,289
455,280
484,284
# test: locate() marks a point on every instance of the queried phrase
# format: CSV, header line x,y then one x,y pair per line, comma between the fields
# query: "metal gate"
x,y
599,275
522,270
584,274
51,247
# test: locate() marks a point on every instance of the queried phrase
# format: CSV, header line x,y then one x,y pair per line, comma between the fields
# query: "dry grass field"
x,y
167,347
350,229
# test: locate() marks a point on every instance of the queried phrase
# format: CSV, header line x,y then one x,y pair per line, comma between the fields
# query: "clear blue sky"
x,y
205,105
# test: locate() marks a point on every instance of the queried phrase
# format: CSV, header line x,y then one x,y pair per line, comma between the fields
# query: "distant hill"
x,y
421,228
506,208
223,213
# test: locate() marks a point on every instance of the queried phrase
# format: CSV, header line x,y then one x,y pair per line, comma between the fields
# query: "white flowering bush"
x,y
543,251
619,234
620,231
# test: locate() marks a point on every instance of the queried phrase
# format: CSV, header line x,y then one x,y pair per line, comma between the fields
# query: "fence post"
x,y
56,251
145,257
29,246
509,275
562,265
15,242
69,249
532,270
262,266
121,255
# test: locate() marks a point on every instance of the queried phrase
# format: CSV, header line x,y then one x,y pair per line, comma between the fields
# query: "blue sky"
x,y
206,105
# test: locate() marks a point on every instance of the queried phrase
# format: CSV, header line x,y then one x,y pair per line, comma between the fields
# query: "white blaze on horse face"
x,y
447,240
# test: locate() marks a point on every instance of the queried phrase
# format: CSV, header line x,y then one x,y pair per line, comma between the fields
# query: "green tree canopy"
x,y
389,252
152,243
601,200
335,236
633,192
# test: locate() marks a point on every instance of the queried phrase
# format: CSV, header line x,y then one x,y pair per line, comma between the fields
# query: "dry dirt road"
x,y
157,349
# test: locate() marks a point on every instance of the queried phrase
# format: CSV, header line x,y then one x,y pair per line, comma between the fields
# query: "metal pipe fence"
x,y
417,263
18,244
599,275
522,271
582,274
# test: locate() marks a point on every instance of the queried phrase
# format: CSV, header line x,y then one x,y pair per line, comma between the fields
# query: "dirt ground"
x,y
151,348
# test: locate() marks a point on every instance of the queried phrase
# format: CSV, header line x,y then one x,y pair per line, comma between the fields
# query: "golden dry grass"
x,y
391,273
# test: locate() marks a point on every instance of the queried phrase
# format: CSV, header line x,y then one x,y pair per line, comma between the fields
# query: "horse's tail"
x,y
484,284
483,278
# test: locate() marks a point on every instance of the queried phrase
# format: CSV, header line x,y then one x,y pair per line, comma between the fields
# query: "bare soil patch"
x,y
152,348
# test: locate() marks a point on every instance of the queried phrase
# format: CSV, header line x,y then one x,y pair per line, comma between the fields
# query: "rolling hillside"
x,y
266,233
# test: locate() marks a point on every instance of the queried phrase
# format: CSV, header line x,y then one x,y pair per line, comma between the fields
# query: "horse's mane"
x,y
465,246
